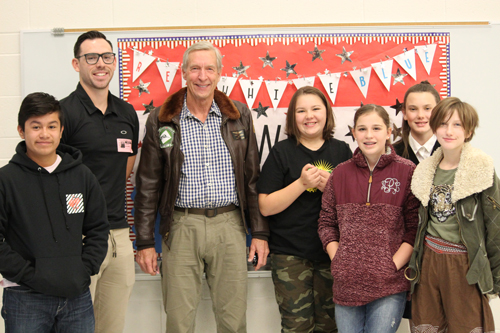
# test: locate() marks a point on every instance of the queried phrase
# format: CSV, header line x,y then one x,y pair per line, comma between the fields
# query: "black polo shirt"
x,y
106,141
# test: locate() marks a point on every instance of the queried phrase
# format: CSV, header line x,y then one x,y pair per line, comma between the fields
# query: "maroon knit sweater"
x,y
370,223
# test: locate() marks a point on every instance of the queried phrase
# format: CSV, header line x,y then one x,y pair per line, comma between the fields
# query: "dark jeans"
x,y
27,311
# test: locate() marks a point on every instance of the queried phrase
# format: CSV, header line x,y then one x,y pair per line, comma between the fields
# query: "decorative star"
x,y
350,133
142,87
242,70
316,53
150,52
396,131
289,69
345,55
261,110
149,107
268,61
398,77
398,106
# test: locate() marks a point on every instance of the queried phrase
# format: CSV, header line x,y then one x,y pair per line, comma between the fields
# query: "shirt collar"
x,y
87,102
415,146
185,113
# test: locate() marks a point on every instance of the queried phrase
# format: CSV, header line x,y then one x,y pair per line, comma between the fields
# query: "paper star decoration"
x,y
398,106
396,131
350,133
242,70
289,69
142,87
268,61
261,110
149,107
316,53
398,77
345,55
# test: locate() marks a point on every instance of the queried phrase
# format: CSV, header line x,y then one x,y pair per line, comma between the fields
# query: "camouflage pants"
x,y
303,291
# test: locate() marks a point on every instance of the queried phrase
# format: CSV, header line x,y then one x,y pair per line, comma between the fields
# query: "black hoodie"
x,y
43,217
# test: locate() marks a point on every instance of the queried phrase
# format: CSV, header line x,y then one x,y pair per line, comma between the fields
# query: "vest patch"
x,y
166,136
239,135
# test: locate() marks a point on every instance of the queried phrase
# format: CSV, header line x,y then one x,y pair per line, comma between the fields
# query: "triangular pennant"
x,y
384,70
276,89
407,61
167,71
141,62
426,55
250,90
362,78
226,84
304,81
330,82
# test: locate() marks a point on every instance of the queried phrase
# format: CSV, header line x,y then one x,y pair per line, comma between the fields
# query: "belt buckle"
x,y
214,210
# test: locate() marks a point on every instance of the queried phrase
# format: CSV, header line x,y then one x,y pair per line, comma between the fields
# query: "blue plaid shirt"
x,y
207,174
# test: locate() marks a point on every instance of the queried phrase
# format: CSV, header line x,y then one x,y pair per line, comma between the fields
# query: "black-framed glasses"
x,y
93,58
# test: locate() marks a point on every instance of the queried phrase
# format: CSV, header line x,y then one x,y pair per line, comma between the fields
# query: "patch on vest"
x,y
166,136
74,203
239,135
390,185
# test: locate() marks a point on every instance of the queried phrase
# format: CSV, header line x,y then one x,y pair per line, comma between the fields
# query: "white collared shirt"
x,y
422,151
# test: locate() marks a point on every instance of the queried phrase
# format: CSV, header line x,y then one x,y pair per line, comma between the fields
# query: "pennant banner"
x,y
167,71
383,70
426,55
250,89
275,90
304,81
330,82
362,78
407,61
141,63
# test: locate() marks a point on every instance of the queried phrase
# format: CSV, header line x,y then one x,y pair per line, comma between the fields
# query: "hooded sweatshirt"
x,y
43,217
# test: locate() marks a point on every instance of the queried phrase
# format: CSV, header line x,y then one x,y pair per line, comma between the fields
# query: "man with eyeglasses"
x,y
106,129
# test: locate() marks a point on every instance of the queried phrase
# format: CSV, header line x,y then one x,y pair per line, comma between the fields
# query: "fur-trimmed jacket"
x,y
158,174
370,214
476,194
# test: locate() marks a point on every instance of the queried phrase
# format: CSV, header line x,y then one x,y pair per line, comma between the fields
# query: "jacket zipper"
x,y
370,180
493,202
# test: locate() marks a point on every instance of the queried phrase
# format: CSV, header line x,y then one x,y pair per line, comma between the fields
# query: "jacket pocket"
x,y
480,271
469,208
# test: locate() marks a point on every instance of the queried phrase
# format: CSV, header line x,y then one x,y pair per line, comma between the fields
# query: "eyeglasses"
x,y
93,58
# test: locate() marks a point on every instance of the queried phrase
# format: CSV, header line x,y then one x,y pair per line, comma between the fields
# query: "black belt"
x,y
208,212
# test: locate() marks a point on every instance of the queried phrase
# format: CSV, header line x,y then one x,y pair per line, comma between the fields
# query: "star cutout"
x,y
316,53
398,106
261,110
398,77
242,70
149,107
268,61
350,133
142,87
345,55
289,69
396,131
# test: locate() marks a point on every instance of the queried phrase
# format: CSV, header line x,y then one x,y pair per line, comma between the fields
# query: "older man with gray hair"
x,y
201,183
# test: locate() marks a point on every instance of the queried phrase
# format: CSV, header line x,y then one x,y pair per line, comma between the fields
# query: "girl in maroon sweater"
x,y
367,225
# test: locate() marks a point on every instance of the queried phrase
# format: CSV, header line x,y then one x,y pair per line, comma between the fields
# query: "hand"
x,y
325,175
147,260
310,176
262,248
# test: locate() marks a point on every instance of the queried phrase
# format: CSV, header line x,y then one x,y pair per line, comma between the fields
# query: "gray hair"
x,y
200,46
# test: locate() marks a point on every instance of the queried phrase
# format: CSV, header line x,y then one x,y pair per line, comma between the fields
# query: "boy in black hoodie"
x,y
48,201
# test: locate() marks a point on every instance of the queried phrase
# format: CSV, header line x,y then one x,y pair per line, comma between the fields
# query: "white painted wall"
x,y
17,15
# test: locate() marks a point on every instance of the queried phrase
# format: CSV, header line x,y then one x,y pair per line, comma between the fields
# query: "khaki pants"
x,y
443,301
216,246
111,288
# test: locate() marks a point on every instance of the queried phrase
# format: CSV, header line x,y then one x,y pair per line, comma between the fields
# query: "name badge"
x,y
124,145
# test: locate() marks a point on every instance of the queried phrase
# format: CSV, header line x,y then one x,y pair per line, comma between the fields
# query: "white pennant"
x,y
407,61
426,55
275,89
384,70
331,83
250,90
226,84
304,81
141,62
362,78
167,71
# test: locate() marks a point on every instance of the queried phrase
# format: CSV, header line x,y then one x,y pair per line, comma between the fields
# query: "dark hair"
x,y
38,104
92,34
421,87
444,110
291,124
380,111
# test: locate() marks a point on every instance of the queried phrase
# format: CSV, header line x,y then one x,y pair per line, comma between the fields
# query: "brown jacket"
x,y
159,168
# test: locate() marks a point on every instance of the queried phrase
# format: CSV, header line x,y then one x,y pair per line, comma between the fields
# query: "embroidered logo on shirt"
x,y
74,203
239,135
166,136
321,165
390,185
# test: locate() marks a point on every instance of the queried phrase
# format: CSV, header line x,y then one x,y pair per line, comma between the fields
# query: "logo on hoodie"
x,y
74,203
390,185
